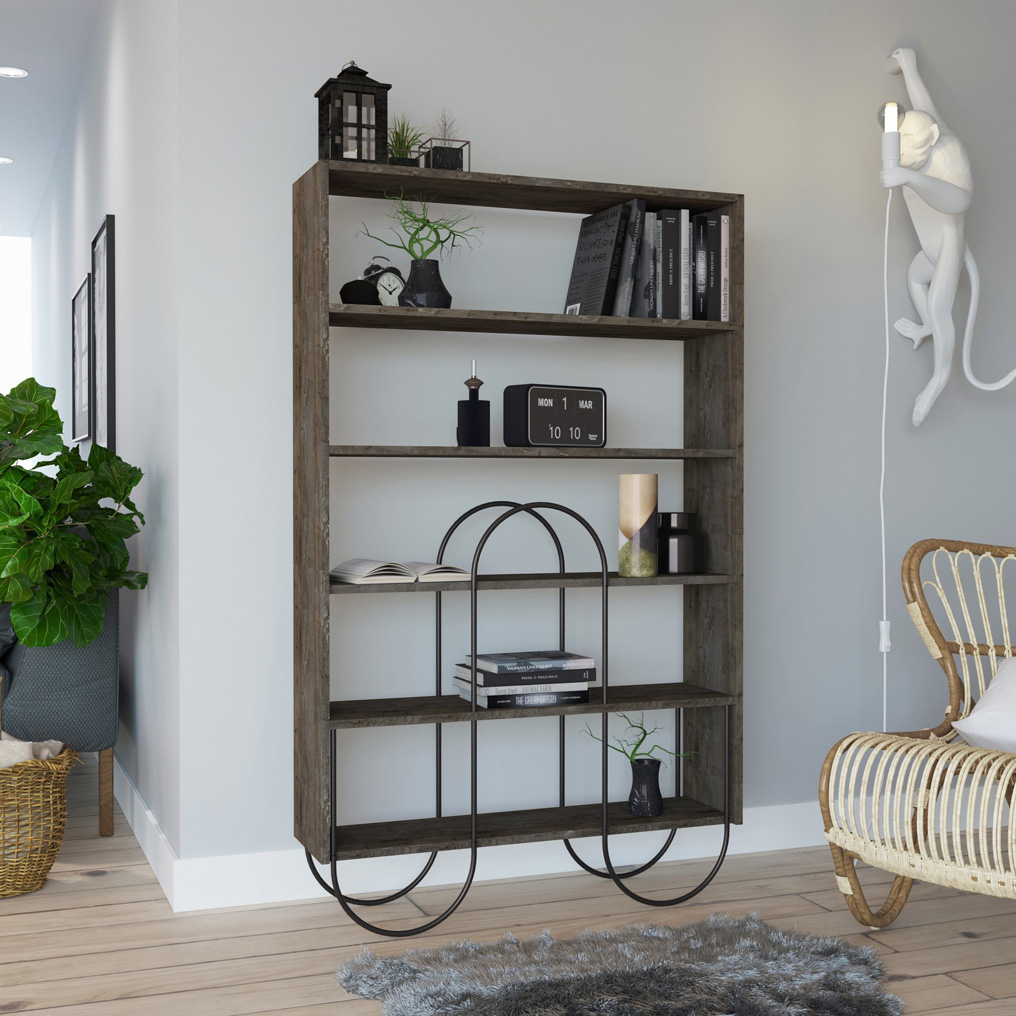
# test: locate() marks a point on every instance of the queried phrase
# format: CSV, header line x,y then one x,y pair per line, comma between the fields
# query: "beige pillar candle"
x,y
636,522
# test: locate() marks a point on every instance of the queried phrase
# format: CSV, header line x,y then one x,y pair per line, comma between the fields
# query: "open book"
x,y
363,570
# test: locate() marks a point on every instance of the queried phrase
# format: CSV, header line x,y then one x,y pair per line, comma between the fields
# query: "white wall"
x,y
775,101
119,156
15,310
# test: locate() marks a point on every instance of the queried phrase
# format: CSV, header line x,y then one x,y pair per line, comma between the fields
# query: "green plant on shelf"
x,y
419,234
633,738
404,138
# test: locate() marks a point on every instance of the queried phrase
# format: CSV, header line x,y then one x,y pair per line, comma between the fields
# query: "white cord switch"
x,y
884,645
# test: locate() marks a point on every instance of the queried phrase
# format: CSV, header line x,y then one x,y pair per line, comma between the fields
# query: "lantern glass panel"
x,y
349,149
369,148
368,109
349,107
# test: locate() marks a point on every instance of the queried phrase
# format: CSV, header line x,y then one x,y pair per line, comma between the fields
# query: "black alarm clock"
x,y
553,416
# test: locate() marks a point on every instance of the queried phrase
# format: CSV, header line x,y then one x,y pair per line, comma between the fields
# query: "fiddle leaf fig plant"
x,y
63,523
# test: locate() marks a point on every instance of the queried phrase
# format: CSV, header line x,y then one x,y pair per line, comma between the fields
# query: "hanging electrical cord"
x,y
883,625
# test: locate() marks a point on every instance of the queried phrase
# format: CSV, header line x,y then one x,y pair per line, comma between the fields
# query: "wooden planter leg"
x,y
106,792
850,886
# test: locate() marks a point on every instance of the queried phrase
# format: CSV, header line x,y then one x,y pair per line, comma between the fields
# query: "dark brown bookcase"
x,y
711,454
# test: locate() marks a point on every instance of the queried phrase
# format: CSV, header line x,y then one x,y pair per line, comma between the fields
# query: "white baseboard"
x,y
280,876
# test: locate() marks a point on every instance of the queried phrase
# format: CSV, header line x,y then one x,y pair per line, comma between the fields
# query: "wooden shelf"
x,y
452,319
539,580
498,190
452,452
396,712
413,836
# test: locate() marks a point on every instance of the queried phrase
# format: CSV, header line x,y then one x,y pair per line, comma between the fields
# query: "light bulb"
x,y
4,161
13,72
890,115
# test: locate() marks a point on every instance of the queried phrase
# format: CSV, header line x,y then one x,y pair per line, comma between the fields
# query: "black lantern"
x,y
353,117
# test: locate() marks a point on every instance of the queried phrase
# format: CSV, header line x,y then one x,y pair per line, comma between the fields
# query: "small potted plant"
x,y
443,150
645,799
420,234
404,142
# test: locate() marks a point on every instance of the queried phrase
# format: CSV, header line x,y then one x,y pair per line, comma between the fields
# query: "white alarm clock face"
x,y
389,285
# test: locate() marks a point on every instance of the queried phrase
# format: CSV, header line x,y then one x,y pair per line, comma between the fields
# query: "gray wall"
x,y
777,101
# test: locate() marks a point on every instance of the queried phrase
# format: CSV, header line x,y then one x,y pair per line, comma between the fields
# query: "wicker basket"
x,y
33,812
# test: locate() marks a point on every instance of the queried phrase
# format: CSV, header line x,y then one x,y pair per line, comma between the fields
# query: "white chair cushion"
x,y
992,721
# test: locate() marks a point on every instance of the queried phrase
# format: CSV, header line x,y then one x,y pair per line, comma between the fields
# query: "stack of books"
x,y
665,264
532,678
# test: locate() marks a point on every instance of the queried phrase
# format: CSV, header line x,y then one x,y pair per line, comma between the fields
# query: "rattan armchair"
x,y
924,804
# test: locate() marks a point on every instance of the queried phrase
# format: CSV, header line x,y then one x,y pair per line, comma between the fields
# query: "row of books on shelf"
x,y
527,679
630,262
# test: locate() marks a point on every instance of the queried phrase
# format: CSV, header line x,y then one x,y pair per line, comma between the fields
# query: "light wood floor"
x,y
100,940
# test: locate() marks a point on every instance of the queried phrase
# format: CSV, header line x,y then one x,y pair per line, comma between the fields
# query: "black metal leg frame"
x,y
347,903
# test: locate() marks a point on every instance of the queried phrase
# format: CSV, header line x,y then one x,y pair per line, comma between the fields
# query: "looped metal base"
x,y
347,903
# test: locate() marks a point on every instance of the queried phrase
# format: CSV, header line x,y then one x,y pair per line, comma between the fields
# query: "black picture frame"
x,y
81,361
104,335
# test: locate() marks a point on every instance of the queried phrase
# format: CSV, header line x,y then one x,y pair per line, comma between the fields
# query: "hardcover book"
x,y
670,250
593,284
724,267
485,679
643,301
706,305
558,698
686,268
519,689
629,257
532,660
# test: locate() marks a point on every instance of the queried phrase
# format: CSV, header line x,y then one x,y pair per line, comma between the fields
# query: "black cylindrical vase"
x,y
424,287
645,799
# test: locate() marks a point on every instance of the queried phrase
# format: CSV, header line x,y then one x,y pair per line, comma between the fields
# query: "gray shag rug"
x,y
719,967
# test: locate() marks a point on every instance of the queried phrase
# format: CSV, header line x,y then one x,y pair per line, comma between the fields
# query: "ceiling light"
x,y
4,161
13,72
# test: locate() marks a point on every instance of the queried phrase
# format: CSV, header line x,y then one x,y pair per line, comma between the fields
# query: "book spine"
x,y
629,258
642,294
724,267
669,292
649,242
610,290
587,675
659,264
560,698
713,267
465,688
700,256
686,264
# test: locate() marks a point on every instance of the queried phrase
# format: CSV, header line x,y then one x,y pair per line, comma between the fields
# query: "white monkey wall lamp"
x,y
934,172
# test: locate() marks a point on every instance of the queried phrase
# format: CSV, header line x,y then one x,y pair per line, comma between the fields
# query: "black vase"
x,y
424,287
645,799
401,160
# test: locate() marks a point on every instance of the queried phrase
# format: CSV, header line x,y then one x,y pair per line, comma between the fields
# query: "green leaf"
x,y
113,477
16,504
63,489
83,617
79,556
33,559
34,427
134,579
14,589
38,621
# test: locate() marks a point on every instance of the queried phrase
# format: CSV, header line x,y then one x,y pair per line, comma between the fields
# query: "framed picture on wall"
x,y
104,337
81,362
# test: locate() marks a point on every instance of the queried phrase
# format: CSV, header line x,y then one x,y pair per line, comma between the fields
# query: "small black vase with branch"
x,y
420,234
645,799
